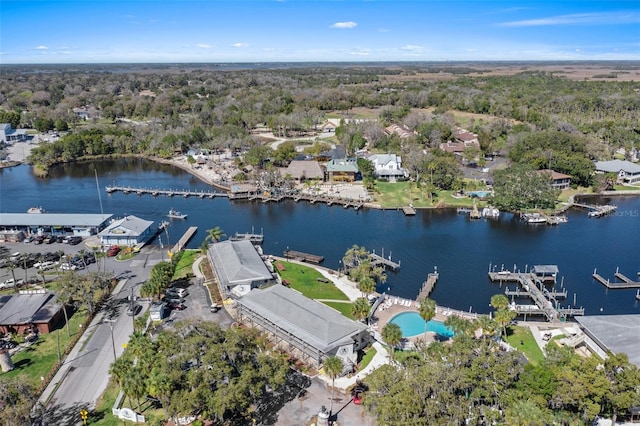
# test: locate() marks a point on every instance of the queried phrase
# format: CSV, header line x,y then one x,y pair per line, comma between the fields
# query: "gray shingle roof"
x,y
615,166
317,324
24,308
238,262
129,226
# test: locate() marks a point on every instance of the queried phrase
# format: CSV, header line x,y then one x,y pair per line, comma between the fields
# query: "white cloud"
x,y
204,46
360,52
412,48
240,45
383,30
41,47
344,25
577,19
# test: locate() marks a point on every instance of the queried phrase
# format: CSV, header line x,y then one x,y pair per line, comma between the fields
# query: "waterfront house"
x,y
302,170
238,267
10,135
310,330
341,170
558,180
627,171
388,166
130,231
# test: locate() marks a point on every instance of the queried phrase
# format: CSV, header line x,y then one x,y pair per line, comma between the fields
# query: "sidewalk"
x,y
343,383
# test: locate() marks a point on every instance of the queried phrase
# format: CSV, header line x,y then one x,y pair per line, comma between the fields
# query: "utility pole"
x,y
113,343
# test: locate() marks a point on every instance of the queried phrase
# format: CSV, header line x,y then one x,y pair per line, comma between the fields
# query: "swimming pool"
x,y
479,194
412,324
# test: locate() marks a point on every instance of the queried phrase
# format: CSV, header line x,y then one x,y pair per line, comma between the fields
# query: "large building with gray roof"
x,y
129,231
309,329
83,225
615,333
238,267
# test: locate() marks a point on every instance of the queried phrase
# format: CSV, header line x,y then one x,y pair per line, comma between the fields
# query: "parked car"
x,y
176,306
38,239
177,292
113,251
74,240
68,267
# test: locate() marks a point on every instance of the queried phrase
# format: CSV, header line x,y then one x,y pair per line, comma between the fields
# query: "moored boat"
x,y
175,214
35,210
534,218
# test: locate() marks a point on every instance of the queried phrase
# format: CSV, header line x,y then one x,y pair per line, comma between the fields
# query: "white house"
x,y
388,166
130,231
627,171
10,135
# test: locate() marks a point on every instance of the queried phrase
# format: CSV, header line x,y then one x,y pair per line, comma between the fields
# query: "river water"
x,y
462,250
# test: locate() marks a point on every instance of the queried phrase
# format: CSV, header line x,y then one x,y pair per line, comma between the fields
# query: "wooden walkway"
x,y
184,239
377,260
427,286
544,300
303,257
626,281
167,192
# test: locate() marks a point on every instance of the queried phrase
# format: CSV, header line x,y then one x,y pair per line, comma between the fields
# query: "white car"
x,y
68,267
10,283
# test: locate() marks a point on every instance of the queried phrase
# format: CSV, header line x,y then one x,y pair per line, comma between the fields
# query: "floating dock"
x,y
253,237
303,257
427,286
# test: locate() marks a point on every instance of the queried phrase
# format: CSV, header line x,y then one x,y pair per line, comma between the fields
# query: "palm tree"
x,y
333,367
392,334
458,325
427,311
360,308
215,234
499,301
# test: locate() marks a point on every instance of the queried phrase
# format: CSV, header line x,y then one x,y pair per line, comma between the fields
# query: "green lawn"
x,y
344,308
183,268
303,279
37,360
366,359
522,339
395,195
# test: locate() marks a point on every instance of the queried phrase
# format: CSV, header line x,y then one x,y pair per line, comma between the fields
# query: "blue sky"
x,y
97,31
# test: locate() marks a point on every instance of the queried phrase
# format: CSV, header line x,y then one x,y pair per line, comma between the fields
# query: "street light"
x,y
113,343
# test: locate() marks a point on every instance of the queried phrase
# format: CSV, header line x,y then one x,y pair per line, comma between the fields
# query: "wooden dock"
x,y
184,239
167,192
378,260
520,293
543,299
409,211
427,286
251,236
597,210
626,281
303,257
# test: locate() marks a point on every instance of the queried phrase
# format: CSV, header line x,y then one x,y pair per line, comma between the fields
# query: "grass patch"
x,y
184,266
103,416
522,339
37,360
395,195
369,353
343,308
304,279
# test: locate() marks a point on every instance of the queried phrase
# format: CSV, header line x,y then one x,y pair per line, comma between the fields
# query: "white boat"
x,y
490,212
35,210
534,218
174,214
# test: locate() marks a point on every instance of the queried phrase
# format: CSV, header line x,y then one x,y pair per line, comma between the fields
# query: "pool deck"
x,y
395,305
